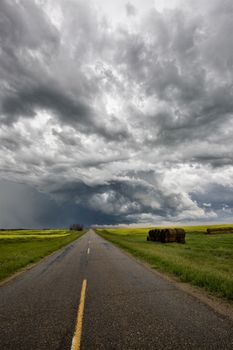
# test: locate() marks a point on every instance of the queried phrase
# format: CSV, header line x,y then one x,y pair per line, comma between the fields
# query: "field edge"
x,y
141,258
28,266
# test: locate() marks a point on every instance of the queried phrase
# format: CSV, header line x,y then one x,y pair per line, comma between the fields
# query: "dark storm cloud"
x,y
190,99
122,123
24,25
21,206
216,198
125,197
130,9
25,31
26,101
219,197
30,78
68,109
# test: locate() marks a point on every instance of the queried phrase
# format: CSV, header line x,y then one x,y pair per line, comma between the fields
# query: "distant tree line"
x,y
13,229
76,227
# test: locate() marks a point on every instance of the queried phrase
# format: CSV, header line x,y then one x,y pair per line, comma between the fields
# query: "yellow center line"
x,y
76,342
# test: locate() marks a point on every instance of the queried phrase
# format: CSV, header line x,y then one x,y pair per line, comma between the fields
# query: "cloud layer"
x,y
124,121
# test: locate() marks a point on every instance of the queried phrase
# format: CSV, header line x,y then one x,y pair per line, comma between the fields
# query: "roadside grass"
x,y
23,247
204,260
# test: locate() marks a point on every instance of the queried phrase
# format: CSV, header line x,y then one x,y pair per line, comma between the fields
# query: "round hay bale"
x,y
180,230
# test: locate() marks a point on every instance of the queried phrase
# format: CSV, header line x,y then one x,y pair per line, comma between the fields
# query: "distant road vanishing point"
x,y
91,295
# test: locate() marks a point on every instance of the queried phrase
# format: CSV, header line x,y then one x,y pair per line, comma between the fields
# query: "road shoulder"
x,y
30,266
219,305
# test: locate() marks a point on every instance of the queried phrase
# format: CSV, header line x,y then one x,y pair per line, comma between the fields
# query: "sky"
x,y
115,112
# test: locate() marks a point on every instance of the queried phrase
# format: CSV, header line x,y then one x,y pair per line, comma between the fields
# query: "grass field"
x,y
204,260
23,247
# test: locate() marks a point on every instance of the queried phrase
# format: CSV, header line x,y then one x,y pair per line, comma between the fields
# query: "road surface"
x,y
125,305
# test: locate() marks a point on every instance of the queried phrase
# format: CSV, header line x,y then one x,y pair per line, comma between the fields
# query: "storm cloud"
x,y
113,114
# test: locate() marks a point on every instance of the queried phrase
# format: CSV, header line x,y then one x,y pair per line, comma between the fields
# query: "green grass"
x,y
204,260
23,247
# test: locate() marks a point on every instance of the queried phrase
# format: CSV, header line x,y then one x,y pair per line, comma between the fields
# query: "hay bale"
x,y
154,235
180,235
216,230
174,235
167,235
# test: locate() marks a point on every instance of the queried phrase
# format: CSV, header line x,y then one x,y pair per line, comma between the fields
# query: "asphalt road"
x,y
127,306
